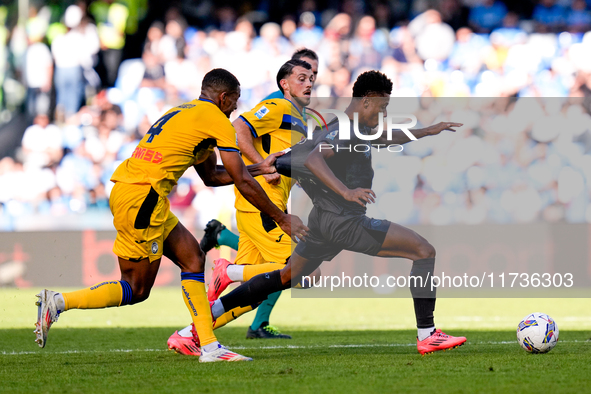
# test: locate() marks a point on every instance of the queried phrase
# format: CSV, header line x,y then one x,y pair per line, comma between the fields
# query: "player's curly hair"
x,y
287,68
371,82
220,80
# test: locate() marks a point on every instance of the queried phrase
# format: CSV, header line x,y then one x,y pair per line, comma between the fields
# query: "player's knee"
x,y
199,262
425,250
139,294
195,264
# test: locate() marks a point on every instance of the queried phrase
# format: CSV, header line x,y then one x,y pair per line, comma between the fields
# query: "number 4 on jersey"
x,y
157,127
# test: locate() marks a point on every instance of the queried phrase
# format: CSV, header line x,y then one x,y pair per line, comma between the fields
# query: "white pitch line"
x,y
4,353
369,345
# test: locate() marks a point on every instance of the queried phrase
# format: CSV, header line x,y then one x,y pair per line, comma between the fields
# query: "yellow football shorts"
x,y
261,240
142,219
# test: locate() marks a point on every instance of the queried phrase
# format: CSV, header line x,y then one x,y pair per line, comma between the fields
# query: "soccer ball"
x,y
537,333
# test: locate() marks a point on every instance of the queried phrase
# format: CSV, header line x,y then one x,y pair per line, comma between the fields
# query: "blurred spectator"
x,y
98,198
182,76
55,203
38,71
403,45
173,42
333,49
549,16
103,145
487,16
382,16
245,26
367,46
288,27
434,39
341,81
111,18
72,54
183,195
154,74
312,7
76,172
454,13
42,143
194,49
154,43
510,32
271,41
578,18
227,18
307,34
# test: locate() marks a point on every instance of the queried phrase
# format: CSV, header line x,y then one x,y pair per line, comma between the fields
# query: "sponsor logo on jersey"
x,y
332,135
261,112
147,155
154,247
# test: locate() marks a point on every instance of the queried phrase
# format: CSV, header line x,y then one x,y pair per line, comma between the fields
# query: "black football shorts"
x,y
331,232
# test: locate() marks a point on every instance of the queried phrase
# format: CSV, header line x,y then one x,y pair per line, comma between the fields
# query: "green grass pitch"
x,y
339,345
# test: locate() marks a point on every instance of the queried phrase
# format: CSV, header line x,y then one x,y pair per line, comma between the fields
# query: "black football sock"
x,y
254,291
423,296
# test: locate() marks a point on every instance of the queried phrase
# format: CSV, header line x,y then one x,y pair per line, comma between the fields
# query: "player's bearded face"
x,y
300,84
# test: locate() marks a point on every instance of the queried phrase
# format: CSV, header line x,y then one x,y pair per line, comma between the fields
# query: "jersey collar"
x,y
296,107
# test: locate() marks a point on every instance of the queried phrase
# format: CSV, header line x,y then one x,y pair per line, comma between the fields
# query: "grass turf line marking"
x,y
5,353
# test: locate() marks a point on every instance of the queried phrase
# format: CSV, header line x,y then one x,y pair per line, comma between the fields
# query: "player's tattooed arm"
x,y
316,162
246,144
215,175
400,138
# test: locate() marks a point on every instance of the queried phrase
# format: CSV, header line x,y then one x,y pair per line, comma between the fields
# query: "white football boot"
x,y
47,314
221,354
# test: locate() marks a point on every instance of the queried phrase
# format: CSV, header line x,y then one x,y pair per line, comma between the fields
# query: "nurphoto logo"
x,y
344,130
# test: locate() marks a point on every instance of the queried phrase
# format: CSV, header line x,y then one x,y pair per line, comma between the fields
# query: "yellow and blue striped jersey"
x,y
276,124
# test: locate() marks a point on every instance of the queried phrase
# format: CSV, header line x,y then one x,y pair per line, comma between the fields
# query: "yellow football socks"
x,y
101,295
251,271
230,315
196,301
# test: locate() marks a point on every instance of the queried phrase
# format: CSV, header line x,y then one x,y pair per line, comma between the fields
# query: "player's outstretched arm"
x,y
246,145
316,162
254,193
398,136
214,175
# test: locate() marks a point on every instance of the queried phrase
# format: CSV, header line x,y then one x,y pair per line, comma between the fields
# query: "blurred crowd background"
x,y
82,82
